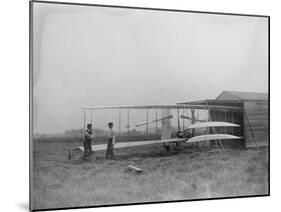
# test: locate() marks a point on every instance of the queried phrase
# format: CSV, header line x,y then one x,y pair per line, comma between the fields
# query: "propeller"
x,y
187,117
155,120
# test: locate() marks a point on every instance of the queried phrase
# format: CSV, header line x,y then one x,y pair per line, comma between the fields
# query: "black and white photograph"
x,y
132,105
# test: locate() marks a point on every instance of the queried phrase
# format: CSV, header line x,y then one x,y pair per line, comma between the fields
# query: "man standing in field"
x,y
110,142
87,143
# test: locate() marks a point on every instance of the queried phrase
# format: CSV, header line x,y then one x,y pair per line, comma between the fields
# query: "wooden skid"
x,y
133,168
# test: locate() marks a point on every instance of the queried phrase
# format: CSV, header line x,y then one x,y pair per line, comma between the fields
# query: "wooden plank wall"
x,y
257,113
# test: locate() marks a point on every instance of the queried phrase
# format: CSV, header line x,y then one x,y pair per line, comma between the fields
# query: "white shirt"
x,y
111,135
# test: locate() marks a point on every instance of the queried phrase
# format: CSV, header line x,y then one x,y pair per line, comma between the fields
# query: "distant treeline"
x,y
80,132
100,135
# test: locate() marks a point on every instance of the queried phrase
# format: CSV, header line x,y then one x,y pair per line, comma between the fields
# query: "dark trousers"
x,y
87,149
109,150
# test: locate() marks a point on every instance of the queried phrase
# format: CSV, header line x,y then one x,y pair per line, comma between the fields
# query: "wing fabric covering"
x,y
101,147
195,139
212,124
212,137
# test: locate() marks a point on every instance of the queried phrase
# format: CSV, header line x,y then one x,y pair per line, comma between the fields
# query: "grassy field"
x,y
59,182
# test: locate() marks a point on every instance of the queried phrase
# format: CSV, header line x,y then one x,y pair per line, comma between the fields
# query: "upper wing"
x,y
179,106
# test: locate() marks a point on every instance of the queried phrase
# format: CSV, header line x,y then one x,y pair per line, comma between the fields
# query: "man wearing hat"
x,y
87,143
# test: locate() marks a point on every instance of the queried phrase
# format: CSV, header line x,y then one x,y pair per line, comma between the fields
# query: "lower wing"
x,y
212,137
119,145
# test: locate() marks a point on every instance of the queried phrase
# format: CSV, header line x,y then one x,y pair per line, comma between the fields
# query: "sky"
x,y
98,56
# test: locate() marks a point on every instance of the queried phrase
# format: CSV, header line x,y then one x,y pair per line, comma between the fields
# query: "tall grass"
x,y
166,176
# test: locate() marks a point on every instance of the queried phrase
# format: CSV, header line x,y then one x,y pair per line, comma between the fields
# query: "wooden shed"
x,y
255,115
252,116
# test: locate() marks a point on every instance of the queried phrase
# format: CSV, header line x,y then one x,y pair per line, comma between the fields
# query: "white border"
x,y
14,103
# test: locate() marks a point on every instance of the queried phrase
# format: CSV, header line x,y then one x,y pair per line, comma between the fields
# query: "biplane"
x,y
183,134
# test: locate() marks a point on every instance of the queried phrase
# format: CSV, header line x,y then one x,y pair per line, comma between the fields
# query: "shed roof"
x,y
238,95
